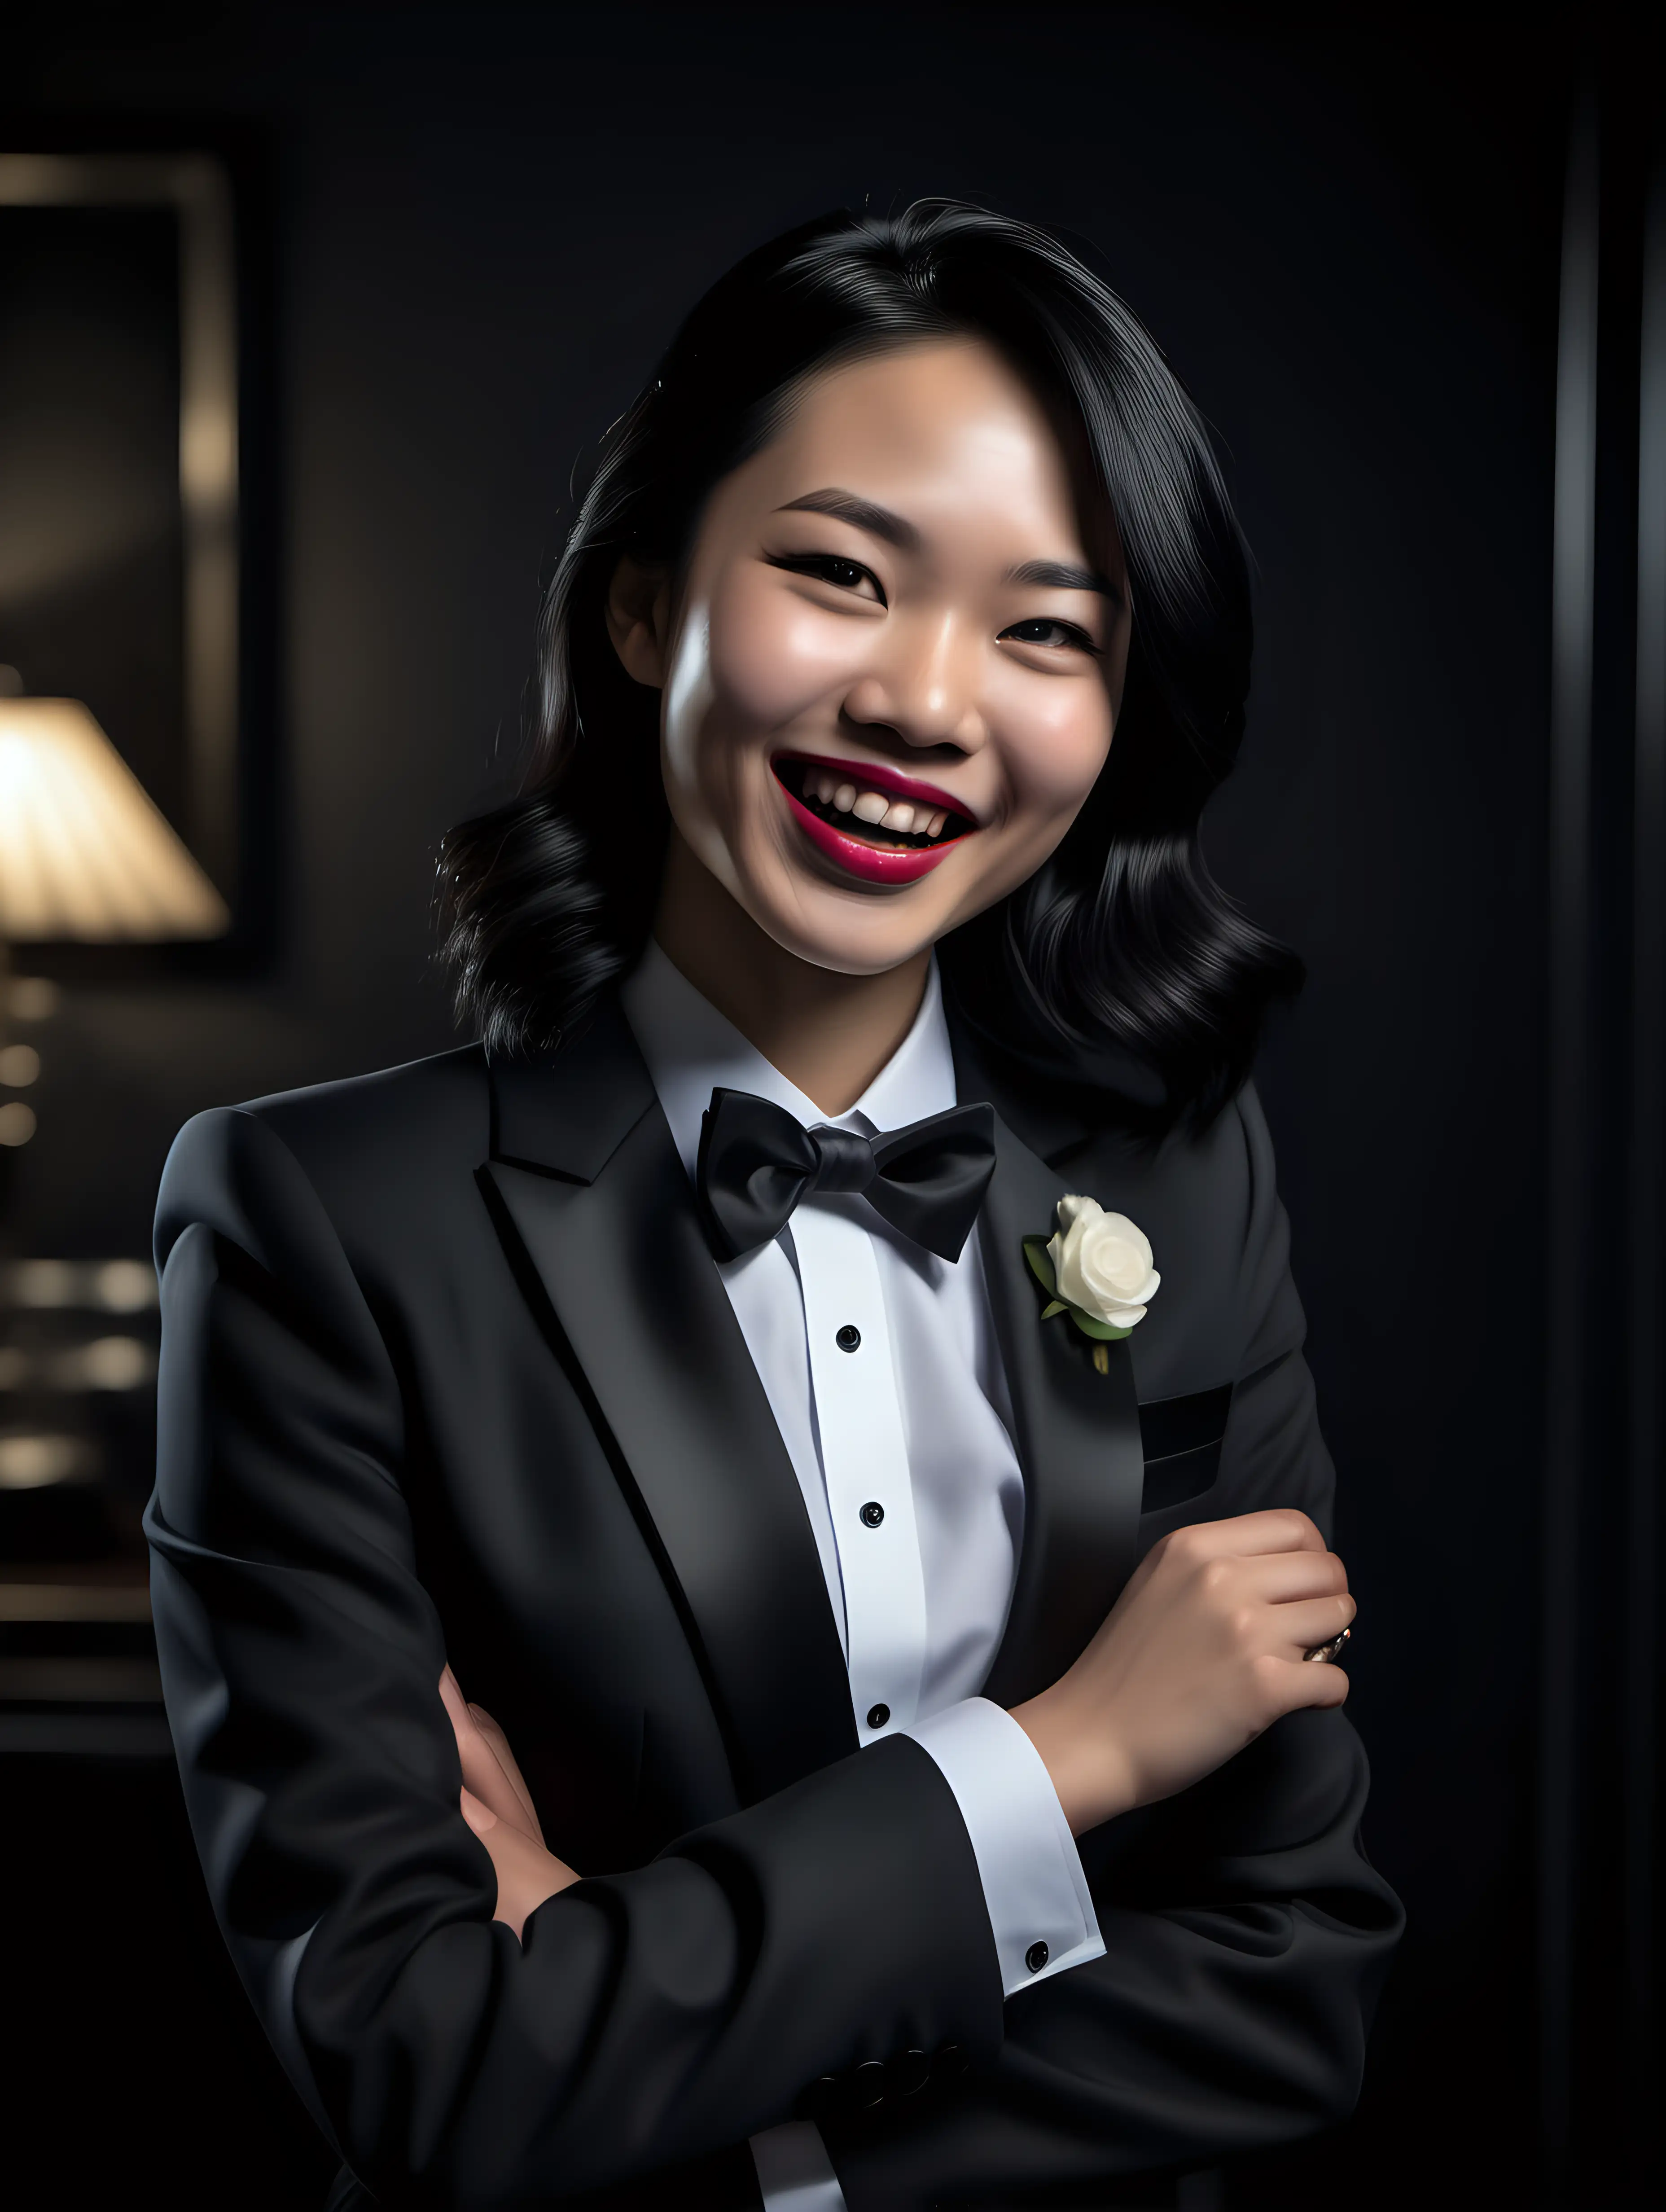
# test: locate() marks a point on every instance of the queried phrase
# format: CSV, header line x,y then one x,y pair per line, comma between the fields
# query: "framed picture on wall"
x,y
129,579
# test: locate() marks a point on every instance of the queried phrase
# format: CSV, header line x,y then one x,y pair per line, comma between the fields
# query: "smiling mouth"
x,y
888,812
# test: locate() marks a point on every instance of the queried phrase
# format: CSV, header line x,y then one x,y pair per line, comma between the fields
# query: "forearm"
x,y
1230,2011
651,2017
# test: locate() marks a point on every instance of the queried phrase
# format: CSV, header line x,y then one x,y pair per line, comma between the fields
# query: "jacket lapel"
x,y
589,1193
1077,1432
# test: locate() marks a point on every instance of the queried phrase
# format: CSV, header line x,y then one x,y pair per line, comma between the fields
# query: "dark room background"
x,y
1361,240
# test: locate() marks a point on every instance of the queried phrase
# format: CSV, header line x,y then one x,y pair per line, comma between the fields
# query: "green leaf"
x,y
1057,1306
1100,1331
1035,1251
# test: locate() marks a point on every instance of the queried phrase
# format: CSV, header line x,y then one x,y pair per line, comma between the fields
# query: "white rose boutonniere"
x,y
1096,1267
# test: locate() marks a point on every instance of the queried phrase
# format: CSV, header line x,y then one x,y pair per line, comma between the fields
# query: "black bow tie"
x,y
756,1163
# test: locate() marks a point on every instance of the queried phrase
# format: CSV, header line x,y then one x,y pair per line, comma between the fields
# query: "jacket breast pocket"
x,y
1181,1438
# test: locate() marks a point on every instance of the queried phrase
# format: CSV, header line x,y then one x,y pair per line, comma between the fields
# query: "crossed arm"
x,y
656,2017
1205,1648
1224,2016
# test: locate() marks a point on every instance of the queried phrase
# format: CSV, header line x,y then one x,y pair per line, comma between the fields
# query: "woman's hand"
x,y
1200,1652
498,1806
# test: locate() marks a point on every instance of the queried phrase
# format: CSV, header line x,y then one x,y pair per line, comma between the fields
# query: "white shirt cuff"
x,y
794,2170
1040,1911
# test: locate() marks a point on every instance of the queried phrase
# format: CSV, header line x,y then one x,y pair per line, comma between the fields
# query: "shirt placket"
x,y
865,1466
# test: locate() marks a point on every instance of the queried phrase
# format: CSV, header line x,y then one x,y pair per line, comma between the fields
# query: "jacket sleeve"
x,y
1246,1933
655,2018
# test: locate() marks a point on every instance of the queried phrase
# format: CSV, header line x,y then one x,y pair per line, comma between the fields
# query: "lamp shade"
x,y
84,852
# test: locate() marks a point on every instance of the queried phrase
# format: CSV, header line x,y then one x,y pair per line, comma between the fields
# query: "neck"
x,y
829,1033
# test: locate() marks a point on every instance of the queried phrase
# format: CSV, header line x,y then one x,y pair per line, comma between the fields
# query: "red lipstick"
x,y
855,856
868,775
872,863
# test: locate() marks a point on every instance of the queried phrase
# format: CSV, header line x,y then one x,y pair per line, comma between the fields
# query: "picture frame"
x,y
128,576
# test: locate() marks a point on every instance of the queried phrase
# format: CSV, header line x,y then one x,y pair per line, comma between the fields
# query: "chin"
x,y
819,927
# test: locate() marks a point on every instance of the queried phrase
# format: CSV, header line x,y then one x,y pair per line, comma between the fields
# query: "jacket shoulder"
x,y
363,1144
433,1099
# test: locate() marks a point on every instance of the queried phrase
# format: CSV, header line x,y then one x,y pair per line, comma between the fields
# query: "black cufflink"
x,y
823,2100
867,2085
908,2076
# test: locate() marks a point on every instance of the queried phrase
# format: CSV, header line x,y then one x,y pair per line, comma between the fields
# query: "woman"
x,y
746,1372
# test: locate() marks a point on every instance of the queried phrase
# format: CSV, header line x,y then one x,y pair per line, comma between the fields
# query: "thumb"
x,y
480,1817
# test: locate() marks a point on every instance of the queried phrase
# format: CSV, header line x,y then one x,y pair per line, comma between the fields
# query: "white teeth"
x,y
902,817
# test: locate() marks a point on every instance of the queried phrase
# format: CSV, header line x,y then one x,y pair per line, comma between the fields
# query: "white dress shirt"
x,y
901,1443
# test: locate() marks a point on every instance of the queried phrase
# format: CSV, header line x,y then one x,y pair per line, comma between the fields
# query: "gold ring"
x,y
1329,1650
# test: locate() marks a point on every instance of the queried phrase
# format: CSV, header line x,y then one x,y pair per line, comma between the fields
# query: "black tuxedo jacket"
x,y
448,1373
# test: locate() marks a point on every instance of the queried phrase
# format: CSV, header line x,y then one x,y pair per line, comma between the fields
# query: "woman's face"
x,y
892,667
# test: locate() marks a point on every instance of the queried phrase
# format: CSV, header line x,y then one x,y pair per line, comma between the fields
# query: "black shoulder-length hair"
x,y
1121,948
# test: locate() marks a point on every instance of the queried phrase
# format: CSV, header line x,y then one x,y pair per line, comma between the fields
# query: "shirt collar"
x,y
691,1049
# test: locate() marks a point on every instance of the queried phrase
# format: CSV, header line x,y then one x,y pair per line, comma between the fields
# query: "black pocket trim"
x,y
1168,1425
1181,1438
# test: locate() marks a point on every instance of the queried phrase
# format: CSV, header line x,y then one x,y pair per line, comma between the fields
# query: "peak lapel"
x,y
586,1182
1078,1438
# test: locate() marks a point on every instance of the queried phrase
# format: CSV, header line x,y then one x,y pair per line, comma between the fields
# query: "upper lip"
x,y
870,775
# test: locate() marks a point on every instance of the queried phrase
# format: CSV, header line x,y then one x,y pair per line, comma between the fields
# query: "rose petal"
x,y
1141,1295
1116,1268
1076,1208
1130,1233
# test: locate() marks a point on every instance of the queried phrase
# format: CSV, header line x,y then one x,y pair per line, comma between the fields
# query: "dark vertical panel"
x,y
1567,1106
1639,1692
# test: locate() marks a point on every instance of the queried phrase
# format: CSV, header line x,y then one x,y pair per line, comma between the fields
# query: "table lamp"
x,y
84,853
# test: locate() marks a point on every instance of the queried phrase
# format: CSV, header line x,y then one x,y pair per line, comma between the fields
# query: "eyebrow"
x,y
1065,576
860,513
880,522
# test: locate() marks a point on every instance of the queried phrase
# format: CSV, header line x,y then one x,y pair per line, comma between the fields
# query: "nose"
x,y
924,684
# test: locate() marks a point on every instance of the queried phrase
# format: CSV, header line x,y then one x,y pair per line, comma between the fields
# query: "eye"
x,y
830,569
1047,629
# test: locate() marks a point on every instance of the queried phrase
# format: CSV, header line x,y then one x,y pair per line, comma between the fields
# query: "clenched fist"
x,y
1202,1651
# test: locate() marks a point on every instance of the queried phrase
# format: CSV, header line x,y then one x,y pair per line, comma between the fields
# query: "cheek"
x,y
773,658
1053,748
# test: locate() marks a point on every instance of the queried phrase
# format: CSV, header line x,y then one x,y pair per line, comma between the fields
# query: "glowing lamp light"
x,y
84,851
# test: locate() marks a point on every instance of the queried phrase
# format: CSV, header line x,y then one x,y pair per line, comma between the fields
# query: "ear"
x,y
639,620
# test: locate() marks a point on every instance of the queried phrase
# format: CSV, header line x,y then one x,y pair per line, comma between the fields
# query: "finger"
x,y
486,1778
481,1771
526,1873
480,1817
1298,1628
457,1712
1280,1577
498,1744
1307,1685
1279,1529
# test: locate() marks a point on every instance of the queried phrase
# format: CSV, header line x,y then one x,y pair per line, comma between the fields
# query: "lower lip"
x,y
904,865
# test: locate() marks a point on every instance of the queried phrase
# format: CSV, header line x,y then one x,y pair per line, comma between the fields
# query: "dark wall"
x,y
484,223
